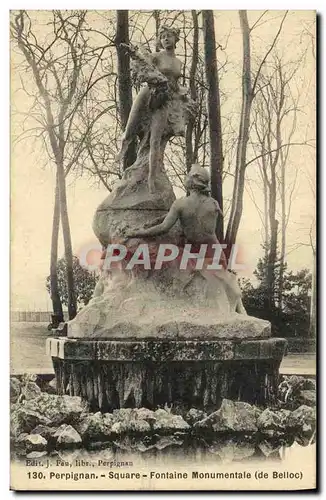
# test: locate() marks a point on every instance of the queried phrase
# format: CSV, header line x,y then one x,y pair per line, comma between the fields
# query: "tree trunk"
x,y
193,93
239,181
273,225
266,223
214,115
271,263
124,80
72,303
156,15
283,237
313,303
55,296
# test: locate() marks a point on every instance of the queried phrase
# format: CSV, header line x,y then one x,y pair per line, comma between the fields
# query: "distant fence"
x,y
33,316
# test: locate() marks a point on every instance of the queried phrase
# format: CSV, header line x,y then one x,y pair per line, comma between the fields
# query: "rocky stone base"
x,y
120,374
47,424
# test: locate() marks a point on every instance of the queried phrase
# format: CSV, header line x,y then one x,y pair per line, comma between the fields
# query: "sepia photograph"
x,y
163,288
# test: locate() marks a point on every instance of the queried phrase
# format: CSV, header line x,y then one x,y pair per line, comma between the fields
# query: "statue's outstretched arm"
x,y
169,221
154,222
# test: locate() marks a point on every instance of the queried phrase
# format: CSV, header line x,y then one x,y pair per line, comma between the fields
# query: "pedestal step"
x,y
165,350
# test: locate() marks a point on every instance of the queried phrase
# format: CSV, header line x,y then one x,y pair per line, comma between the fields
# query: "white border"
x,y
4,183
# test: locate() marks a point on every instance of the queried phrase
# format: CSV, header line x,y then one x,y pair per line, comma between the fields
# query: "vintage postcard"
x,y
163,250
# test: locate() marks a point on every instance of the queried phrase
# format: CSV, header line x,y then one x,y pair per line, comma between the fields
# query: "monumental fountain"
x,y
155,336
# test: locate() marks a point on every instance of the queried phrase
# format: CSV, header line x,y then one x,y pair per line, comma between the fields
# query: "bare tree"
x,y
249,90
193,92
124,79
214,114
274,120
311,31
286,194
64,69
238,189
54,285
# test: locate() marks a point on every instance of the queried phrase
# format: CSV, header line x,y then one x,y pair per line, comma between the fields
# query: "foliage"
x,y
84,280
289,318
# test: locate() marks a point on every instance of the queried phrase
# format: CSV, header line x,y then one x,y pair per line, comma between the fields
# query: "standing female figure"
x,y
161,99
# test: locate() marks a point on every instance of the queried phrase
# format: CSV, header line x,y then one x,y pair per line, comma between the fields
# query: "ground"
x,y
27,348
27,353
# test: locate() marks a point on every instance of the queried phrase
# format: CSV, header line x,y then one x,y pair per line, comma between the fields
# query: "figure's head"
x,y
198,179
168,37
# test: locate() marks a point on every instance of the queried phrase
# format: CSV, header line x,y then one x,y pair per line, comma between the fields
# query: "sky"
x,y
32,181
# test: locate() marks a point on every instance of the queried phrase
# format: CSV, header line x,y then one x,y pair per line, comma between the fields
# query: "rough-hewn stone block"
x,y
260,349
71,349
160,351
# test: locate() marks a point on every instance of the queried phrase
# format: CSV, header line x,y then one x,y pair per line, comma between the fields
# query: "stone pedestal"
x,y
113,374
